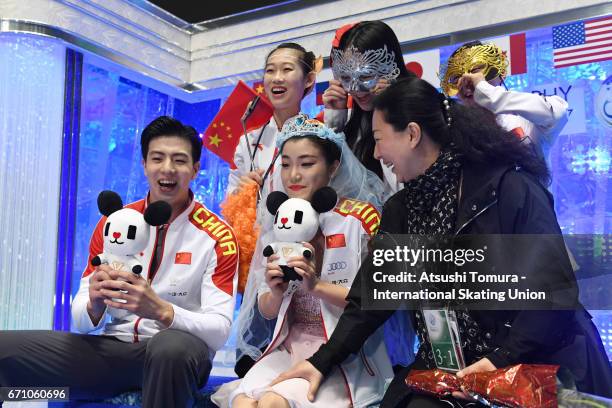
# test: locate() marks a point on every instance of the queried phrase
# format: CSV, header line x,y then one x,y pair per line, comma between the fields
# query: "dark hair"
x,y
369,35
469,44
167,126
474,131
331,151
307,59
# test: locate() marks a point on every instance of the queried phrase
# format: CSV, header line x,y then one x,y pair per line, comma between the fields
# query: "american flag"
x,y
582,42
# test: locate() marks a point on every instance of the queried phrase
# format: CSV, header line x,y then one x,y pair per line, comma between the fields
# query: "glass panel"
x,y
31,118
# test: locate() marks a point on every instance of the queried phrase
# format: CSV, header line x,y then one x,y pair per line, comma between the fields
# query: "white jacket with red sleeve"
x,y
197,274
347,229
541,118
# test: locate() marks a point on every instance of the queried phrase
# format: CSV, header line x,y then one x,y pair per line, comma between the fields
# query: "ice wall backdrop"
x,y
31,115
110,111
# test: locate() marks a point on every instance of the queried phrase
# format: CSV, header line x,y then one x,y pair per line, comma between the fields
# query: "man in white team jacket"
x,y
179,309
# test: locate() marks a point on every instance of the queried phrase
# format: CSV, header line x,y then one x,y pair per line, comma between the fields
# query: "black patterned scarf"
x,y
432,204
431,199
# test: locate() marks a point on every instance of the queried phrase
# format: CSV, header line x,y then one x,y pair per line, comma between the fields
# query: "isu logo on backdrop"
x,y
603,103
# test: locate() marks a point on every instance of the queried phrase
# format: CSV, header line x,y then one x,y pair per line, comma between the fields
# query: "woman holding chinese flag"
x,y
289,75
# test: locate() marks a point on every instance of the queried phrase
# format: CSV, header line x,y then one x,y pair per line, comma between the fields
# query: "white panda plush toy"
x,y
295,221
126,234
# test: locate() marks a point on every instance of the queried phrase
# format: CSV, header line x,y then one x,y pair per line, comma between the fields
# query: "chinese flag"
x,y
183,258
223,134
335,241
259,88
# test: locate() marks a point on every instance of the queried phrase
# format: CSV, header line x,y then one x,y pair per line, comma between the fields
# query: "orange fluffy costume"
x,y
240,211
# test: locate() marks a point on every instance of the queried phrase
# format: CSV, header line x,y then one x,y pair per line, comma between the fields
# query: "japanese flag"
x,y
425,65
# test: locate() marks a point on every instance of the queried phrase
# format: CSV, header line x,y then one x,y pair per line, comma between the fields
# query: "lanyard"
x,y
157,251
263,128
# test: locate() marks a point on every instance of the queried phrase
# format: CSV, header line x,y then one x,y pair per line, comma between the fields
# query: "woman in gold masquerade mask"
x,y
473,58
475,71
366,58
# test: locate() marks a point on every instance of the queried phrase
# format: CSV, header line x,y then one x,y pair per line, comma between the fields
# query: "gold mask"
x,y
489,58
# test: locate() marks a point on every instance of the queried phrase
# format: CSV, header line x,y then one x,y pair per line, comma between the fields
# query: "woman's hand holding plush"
x,y
306,268
274,277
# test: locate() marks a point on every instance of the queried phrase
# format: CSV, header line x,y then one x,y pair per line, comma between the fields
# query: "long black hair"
x,y
474,132
369,35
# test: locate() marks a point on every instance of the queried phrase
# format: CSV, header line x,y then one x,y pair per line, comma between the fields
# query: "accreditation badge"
x,y
443,333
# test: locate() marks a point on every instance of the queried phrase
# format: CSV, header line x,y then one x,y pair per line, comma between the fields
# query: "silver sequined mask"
x,y
359,72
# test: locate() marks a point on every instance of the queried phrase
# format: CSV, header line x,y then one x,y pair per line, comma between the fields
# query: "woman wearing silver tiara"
x,y
365,58
313,156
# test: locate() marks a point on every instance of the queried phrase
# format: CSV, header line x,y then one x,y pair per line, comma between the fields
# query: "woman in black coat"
x,y
463,174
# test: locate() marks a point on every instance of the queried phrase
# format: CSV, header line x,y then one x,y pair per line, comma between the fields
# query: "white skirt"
x,y
333,392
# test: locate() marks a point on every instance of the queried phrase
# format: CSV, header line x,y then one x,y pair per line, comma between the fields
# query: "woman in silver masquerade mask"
x,y
366,58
